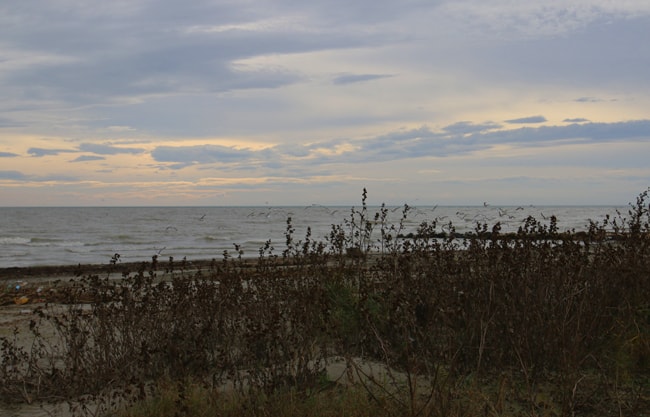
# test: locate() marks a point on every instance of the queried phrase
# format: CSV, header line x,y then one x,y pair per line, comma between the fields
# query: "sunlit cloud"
x,y
457,139
133,103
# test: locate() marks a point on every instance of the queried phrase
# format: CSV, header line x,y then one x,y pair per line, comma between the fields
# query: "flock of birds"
x,y
501,214
485,214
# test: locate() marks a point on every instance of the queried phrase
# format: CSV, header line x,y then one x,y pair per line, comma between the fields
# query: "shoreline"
x,y
37,272
52,272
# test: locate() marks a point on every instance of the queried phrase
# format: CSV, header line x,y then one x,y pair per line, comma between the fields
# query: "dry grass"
x,y
537,323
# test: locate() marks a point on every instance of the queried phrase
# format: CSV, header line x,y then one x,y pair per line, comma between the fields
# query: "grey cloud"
x,y
19,176
108,149
357,78
86,158
588,100
176,167
454,140
7,155
594,132
469,127
596,56
424,142
96,63
297,151
38,152
531,119
12,175
6,122
576,120
204,154
364,11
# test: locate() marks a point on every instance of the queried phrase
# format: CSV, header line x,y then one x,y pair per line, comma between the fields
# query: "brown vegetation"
x,y
541,323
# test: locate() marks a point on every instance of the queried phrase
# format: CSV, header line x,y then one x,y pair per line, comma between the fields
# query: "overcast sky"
x,y
284,102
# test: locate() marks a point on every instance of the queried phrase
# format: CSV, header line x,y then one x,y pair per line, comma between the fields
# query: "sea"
x,y
39,236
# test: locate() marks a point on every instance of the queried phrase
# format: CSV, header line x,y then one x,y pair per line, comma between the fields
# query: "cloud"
x,y
99,149
108,149
462,138
12,175
6,122
169,54
423,142
304,80
577,133
531,119
357,78
505,19
19,176
203,154
588,100
469,127
39,152
86,158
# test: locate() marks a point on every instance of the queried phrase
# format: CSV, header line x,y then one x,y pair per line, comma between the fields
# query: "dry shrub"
x,y
538,308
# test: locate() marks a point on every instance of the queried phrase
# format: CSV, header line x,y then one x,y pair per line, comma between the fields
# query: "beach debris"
x,y
21,300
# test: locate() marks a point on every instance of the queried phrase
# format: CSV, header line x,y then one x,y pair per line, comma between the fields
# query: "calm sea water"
x,y
66,236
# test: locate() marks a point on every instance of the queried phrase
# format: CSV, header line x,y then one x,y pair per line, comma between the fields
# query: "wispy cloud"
x,y
202,154
39,152
469,127
86,158
332,93
8,122
12,175
102,149
531,119
592,100
454,140
357,78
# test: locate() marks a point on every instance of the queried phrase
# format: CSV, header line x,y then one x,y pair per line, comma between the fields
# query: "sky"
x,y
284,102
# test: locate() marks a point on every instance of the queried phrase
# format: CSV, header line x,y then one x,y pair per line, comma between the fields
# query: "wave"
x,y
211,238
38,242
14,240
55,242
